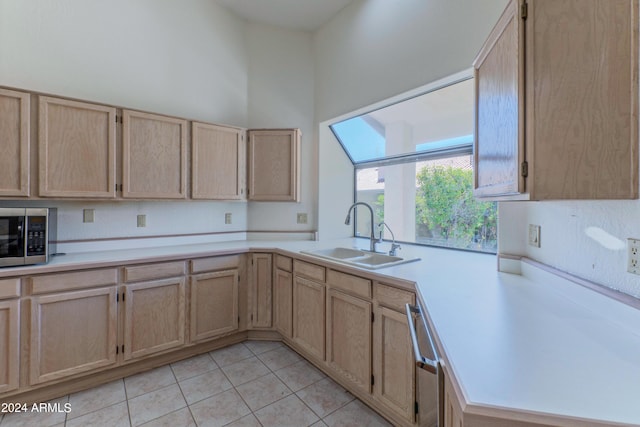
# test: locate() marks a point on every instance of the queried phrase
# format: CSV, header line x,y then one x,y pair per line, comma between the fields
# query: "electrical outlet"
x,y
302,218
88,215
633,256
534,235
227,218
142,220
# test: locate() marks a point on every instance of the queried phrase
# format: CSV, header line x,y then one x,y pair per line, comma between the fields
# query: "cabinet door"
x,y
218,162
154,156
15,126
214,304
349,338
283,290
77,149
9,345
154,317
394,367
309,316
499,85
274,165
72,332
453,415
261,290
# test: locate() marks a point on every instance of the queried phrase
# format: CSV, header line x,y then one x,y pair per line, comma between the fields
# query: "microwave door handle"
x,y
421,361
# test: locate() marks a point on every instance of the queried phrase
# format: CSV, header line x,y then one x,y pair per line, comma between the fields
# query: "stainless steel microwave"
x,y
27,235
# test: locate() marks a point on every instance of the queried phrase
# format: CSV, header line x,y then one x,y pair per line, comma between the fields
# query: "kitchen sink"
x,y
360,258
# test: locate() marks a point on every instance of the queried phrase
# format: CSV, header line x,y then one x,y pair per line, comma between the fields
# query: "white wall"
x,y
585,238
374,50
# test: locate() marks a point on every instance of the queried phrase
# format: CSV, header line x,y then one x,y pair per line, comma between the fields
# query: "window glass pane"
x,y
428,202
436,120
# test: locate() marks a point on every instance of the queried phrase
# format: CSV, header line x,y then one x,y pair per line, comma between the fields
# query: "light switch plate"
x,y
534,235
88,215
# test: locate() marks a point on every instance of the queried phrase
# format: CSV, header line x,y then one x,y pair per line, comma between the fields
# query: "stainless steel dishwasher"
x,y
430,375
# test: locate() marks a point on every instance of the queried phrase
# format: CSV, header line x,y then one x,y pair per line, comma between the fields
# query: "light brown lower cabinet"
x,y
349,338
309,316
393,363
261,290
72,332
154,317
452,409
9,344
214,304
283,302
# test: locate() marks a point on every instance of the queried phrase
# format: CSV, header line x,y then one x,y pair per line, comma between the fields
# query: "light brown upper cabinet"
x,y
274,165
557,102
218,162
15,127
154,156
77,149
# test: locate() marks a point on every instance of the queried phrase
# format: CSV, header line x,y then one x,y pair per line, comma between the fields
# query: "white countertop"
x,y
531,342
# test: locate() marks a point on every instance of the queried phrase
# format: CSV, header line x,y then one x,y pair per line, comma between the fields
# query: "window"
x,y
414,165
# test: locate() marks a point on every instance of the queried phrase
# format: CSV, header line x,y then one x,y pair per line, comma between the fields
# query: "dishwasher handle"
x,y
421,361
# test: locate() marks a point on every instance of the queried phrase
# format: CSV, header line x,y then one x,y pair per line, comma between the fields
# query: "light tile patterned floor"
x,y
256,383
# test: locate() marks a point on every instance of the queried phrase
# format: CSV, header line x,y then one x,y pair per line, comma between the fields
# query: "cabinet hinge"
x,y
524,10
524,169
252,317
118,119
373,381
117,297
117,349
373,317
416,408
123,296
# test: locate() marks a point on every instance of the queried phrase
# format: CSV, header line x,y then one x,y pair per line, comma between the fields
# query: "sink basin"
x,y
338,253
359,258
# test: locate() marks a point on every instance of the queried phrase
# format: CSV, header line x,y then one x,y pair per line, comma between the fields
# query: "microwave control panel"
x,y
36,235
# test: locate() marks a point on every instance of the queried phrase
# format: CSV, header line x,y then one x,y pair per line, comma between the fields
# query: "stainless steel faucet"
x,y
347,221
394,245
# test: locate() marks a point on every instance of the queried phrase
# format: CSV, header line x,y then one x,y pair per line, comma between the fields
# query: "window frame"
x,y
415,157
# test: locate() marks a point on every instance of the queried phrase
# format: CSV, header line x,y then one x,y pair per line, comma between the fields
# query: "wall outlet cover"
x,y
88,215
142,220
302,218
227,218
633,256
534,235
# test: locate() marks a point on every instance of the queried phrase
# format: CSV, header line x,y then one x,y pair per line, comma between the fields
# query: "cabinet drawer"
x,y
71,281
393,297
153,271
284,263
10,288
351,284
311,271
202,265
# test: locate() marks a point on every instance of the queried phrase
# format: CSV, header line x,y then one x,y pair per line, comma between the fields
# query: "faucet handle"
x,y
394,247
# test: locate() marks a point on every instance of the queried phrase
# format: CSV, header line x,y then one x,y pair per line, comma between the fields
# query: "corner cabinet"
x,y
274,165
154,156
556,102
218,162
15,131
77,148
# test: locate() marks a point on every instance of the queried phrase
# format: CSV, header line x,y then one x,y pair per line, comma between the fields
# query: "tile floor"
x,y
255,383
